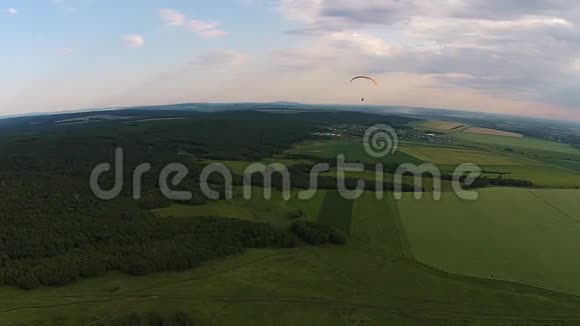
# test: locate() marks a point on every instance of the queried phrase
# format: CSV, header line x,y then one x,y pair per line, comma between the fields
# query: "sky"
x,y
519,57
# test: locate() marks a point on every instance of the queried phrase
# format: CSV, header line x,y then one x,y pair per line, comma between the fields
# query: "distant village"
x,y
356,132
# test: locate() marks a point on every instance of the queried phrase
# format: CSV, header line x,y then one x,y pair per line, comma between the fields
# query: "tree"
x,y
28,281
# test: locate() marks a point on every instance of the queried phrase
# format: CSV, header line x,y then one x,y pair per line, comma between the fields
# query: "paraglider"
x,y
367,78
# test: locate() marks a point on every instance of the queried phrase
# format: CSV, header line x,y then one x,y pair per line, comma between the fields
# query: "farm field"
x,y
368,281
566,164
221,208
440,125
351,150
527,236
256,209
311,207
439,155
541,176
336,212
526,143
488,131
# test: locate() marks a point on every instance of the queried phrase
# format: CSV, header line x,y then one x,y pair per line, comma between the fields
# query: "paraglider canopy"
x,y
365,77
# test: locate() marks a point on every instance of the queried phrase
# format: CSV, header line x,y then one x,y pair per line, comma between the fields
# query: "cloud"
x,y
365,43
10,11
522,50
202,28
172,17
206,29
133,40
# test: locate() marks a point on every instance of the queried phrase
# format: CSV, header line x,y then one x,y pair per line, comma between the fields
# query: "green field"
x,y
541,176
351,150
527,236
440,125
310,207
377,227
439,155
257,209
525,143
221,208
336,211
565,164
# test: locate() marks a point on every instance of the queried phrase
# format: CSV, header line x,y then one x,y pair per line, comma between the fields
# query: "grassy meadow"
x,y
220,208
541,176
527,144
353,151
488,131
336,211
520,235
447,156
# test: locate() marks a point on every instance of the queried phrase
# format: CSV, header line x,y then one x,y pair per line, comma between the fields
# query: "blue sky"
x,y
486,55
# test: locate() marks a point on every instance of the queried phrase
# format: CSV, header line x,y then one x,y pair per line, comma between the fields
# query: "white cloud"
x,y
133,40
10,11
206,29
172,17
303,10
366,43
202,28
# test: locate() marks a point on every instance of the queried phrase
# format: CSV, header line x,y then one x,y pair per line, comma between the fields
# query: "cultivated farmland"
x,y
525,143
542,176
526,236
488,131
453,156
441,125
351,150
336,211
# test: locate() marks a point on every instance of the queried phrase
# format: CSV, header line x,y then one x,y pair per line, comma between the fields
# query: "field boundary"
x,y
406,249
553,206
